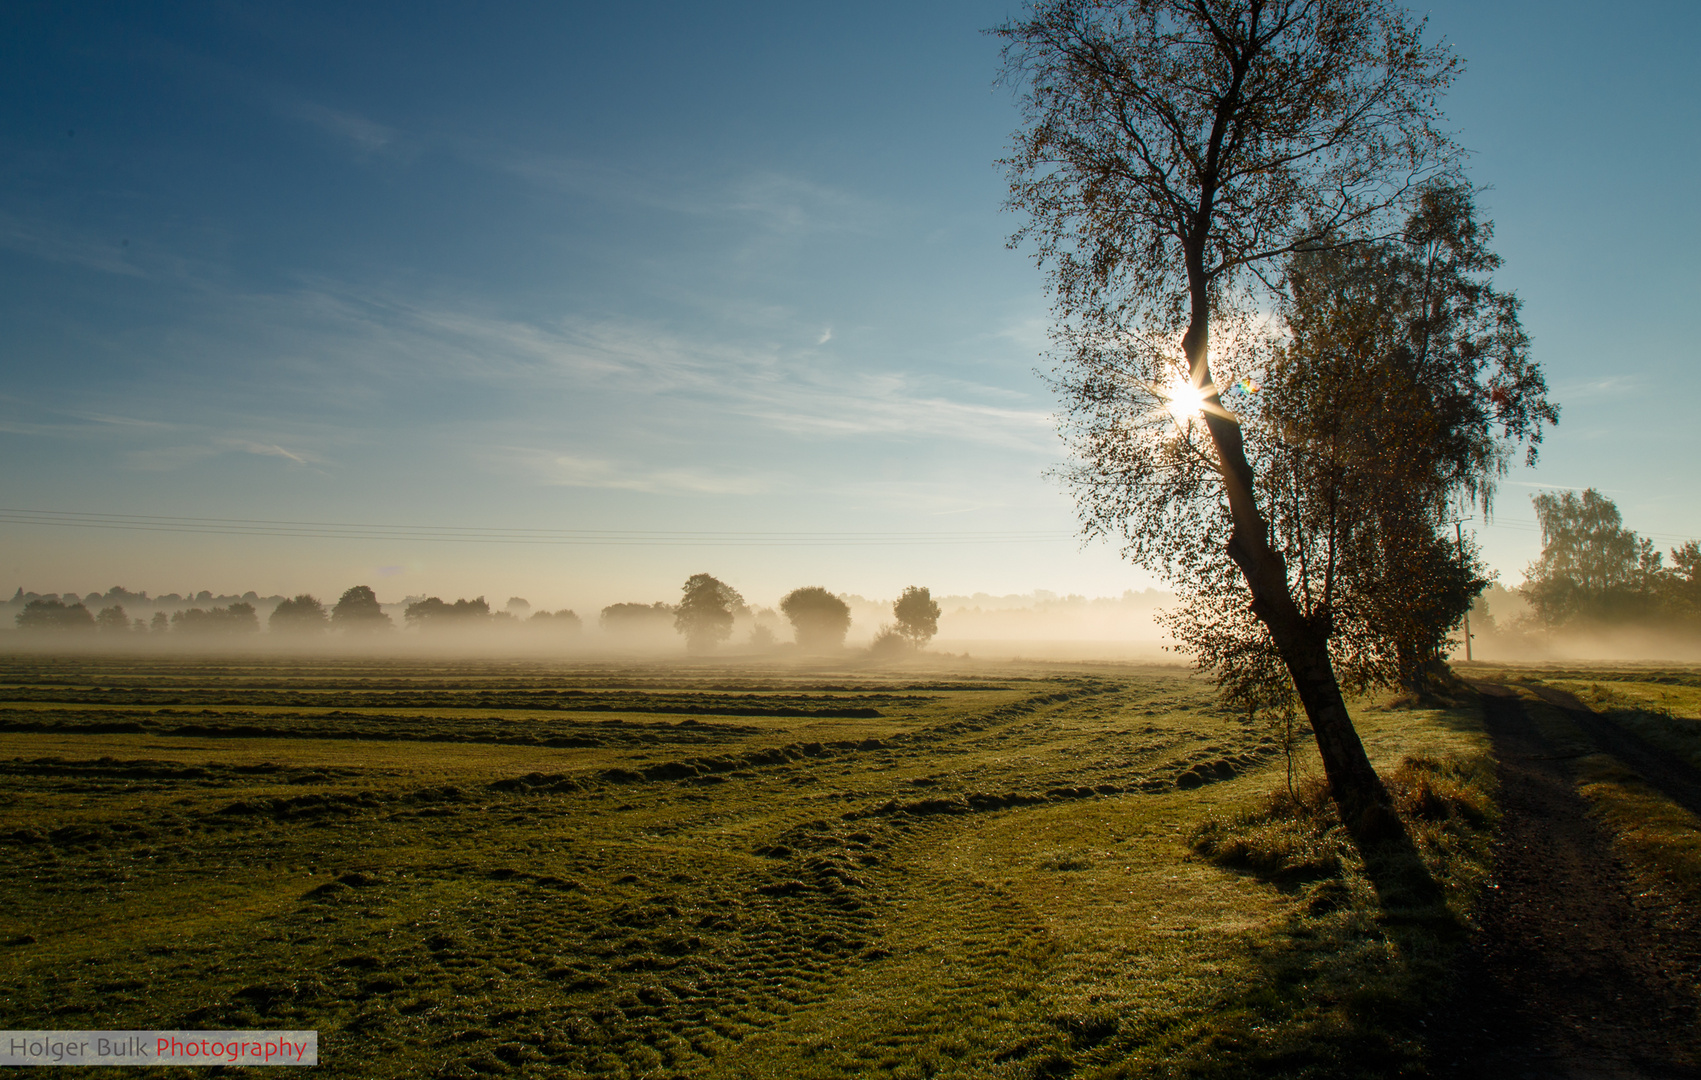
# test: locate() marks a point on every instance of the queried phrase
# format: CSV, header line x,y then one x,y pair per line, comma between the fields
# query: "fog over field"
x,y
1038,625
1034,626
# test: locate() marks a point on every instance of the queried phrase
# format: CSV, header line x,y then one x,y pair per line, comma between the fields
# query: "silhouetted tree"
x,y
1681,594
54,615
917,614
819,619
1171,150
563,621
237,618
635,618
113,620
433,613
705,611
1591,568
160,623
301,614
242,617
357,611
1391,402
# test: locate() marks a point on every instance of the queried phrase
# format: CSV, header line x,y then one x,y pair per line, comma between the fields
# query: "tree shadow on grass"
x,y
1294,840
1342,987
1406,890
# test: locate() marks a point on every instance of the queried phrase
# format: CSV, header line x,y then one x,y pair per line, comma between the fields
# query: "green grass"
x,y
713,871
1659,704
1657,840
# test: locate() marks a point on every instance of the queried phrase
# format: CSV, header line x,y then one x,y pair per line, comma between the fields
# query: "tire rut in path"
x,y
1566,978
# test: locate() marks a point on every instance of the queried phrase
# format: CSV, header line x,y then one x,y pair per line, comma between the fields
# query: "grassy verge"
x,y
1665,714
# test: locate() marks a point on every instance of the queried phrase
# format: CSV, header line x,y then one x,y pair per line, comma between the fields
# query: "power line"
x,y
341,530
1525,525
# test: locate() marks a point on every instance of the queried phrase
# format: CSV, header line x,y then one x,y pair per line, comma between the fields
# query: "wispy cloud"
x,y
1557,486
364,134
696,405
271,450
63,244
43,420
1607,386
784,203
941,495
776,202
611,368
128,422
182,455
168,458
584,177
566,470
1033,333
175,445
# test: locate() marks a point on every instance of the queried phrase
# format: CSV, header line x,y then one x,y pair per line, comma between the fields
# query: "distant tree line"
x,y
709,608
1595,572
705,616
356,612
56,616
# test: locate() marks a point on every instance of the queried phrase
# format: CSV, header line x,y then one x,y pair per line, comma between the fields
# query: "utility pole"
x,y
1459,535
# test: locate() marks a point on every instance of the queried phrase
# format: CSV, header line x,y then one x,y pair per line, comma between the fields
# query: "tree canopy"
x,y
917,614
634,618
564,621
432,613
301,614
1171,146
1593,569
819,619
358,611
1174,156
1399,387
237,618
705,611
55,615
1683,583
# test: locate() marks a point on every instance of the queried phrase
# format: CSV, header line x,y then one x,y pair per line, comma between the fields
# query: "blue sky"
x,y
719,271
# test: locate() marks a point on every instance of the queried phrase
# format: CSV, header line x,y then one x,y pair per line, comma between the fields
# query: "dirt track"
x,y
1567,978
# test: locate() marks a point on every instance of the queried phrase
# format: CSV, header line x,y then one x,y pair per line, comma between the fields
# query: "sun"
x,y
1184,400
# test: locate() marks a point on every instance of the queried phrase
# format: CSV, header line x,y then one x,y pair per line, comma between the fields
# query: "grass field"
x,y
710,871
